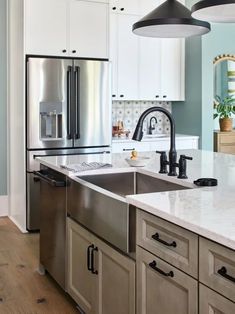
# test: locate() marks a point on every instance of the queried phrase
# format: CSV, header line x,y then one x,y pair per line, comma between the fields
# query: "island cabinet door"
x,y
116,276
211,302
81,283
161,288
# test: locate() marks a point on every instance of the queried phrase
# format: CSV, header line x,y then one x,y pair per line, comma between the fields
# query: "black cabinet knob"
x,y
74,51
122,9
157,96
114,8
64,50
164,96
121,96
113,96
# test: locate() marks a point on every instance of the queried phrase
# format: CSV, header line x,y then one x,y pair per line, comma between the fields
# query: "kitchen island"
x,y
185,239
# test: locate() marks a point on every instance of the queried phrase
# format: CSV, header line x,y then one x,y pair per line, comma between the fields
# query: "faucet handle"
x,y
186,157
183,166
163,161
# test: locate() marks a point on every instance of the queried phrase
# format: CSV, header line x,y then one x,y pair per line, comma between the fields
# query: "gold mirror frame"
x,y
223,57
219,59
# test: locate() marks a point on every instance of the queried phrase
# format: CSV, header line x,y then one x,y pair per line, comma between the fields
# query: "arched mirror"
x,y
224,77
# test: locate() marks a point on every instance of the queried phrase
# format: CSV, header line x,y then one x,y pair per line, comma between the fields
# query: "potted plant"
x,y
224,109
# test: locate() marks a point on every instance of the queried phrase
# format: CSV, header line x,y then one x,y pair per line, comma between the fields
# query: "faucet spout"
x,y
138,135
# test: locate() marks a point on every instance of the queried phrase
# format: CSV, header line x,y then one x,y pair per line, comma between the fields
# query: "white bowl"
x,y
139,162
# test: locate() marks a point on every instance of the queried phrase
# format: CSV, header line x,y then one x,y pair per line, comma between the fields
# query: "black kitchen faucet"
x,y
138,135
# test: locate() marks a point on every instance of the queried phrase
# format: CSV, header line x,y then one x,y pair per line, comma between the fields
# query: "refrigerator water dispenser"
x,y
50,121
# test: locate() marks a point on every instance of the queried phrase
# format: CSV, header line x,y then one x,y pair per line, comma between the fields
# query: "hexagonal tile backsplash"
x,y
129,112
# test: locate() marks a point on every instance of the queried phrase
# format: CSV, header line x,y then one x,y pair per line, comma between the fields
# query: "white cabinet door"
x,y
146,6
150,69
130,146
113,53
45,27
88,29
172,69
125,6
128,57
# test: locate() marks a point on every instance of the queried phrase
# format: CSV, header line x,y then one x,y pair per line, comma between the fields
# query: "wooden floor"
x,y
22,289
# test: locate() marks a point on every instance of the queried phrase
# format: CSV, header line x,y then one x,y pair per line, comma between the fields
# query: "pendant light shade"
x,y
217,11
170,20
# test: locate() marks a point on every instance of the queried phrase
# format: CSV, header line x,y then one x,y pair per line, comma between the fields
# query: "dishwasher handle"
x,y
47,179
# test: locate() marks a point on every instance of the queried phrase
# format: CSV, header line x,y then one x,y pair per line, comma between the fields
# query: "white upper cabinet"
x,y
67,28
128,53
124,54
149,69
125,6
45,27
172,69
88,29
146,6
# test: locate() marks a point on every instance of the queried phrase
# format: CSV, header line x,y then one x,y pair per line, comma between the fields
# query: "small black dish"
x,y
206,182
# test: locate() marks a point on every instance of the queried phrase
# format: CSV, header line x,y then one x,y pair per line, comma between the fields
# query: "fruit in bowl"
x,y
135,161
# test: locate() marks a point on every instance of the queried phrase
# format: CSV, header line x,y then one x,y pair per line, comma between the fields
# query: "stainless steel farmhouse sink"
x,y
107,214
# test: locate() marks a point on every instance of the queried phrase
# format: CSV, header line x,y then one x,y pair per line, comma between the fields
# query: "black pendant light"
x,y
217,11
170,20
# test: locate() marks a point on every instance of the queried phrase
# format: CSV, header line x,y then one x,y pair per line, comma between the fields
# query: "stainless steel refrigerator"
x,y
68,112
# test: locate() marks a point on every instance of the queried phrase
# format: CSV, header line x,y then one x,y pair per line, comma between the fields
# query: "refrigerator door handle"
x,y
77,103
69,101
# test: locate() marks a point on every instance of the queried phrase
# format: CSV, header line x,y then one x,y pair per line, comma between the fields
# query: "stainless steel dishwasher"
x,y
52,222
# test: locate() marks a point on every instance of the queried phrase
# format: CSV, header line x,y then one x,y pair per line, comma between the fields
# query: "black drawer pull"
x,y
64,50
94,249
153,265
89,257
114,8
223,272
156,237
128,149
122,9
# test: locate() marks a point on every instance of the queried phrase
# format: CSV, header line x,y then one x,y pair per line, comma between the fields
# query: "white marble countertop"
x,y
159,137
209,212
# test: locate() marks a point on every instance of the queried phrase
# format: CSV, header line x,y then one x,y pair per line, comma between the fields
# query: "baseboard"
x,y
3,205
18,225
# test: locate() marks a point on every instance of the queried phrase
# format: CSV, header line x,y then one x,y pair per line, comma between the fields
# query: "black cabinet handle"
x,y
164,96
113,96
153,265
121,96
128,149
122,9
156,237
94,249
114,8
223,272
157,96
74,51
64,50
89,257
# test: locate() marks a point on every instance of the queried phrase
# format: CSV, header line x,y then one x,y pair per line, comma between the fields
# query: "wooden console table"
x,y
224,142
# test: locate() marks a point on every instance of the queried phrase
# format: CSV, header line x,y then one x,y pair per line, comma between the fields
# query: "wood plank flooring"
x,y
22,289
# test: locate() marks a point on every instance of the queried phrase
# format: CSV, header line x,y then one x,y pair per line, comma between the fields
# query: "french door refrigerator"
x,y
68,111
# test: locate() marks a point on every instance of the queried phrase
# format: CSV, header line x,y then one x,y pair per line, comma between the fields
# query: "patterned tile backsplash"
x,y
129,112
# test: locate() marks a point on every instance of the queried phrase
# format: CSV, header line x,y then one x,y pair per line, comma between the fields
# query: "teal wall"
x,y
219,41
195,115
188,114
3,100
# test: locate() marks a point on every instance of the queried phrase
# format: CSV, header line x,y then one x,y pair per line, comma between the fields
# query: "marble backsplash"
x,y
129,112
